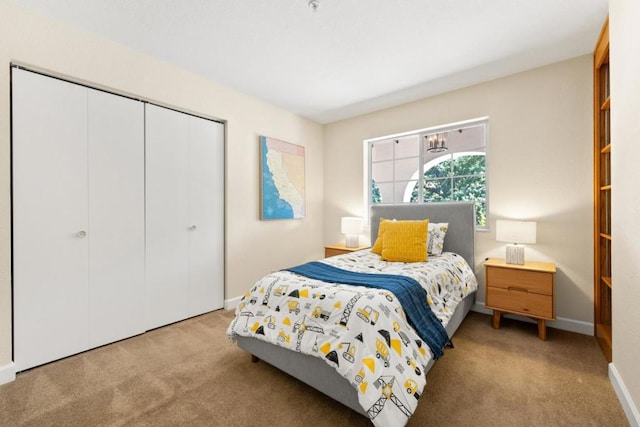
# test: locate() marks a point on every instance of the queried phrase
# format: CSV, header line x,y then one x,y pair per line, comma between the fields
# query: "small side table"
x,y
521,289
340,248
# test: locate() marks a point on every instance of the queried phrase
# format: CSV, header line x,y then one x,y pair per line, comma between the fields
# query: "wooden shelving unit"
x,y
603,283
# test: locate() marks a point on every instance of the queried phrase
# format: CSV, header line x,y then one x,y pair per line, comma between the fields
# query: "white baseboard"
x,y
628,405
562,323
231,304
7,373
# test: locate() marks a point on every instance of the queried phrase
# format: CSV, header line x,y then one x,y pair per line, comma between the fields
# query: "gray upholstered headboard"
x,y
460,237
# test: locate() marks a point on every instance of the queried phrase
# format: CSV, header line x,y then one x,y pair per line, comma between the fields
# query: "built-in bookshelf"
x,y
603,283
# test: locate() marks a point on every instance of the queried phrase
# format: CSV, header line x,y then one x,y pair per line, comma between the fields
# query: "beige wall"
x,y
540,167
253,247
625,140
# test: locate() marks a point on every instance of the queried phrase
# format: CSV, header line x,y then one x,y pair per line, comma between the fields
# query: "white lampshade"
x,y
515,231
351,226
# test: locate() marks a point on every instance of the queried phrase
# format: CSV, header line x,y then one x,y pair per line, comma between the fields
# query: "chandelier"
x,y
436,143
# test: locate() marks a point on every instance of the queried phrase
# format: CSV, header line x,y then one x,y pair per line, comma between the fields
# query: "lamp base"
x,y
352,241
515,254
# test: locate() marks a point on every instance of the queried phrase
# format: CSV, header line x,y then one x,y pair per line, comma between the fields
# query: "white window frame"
x,y
368,144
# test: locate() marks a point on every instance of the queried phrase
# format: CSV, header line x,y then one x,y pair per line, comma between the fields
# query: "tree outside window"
x,y
456,177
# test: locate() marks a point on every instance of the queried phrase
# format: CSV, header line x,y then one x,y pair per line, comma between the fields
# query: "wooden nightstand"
x,y
521,289
340,248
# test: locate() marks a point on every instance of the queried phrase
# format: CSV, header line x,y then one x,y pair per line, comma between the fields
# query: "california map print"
x,y
282,180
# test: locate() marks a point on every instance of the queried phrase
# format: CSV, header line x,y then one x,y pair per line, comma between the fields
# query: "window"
x,y
445,163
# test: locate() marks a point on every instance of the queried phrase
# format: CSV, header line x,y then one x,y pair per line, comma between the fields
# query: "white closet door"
x,y
167,219
116,217
206,213
50,265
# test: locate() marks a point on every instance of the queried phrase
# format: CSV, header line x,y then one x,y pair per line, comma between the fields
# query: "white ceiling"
x,y
350,56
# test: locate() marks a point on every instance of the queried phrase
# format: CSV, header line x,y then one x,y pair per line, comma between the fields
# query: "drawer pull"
x,y
515,288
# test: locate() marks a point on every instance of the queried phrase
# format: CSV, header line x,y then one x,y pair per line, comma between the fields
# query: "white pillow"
x,y
435,237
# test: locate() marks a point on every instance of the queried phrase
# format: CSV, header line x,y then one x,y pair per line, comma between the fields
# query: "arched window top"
x,y
444,163
431,165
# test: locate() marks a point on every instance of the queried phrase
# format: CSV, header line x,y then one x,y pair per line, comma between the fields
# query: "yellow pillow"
x,y
405,241
377,246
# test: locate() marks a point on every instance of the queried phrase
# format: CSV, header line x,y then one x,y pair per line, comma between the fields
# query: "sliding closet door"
x,y
206,213
167,218
50,218
116,213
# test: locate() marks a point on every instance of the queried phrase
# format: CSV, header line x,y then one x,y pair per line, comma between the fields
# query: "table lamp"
x,y
351,227
515,233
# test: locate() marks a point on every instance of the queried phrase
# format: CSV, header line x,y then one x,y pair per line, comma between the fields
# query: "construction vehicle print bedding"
x,y
361,332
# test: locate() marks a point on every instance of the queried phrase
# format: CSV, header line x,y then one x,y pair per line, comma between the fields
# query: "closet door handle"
x,y
81,234
192,228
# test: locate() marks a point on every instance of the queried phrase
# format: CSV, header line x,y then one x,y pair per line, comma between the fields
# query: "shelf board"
x,y
606,188
606,149
605,236
607,281
606,105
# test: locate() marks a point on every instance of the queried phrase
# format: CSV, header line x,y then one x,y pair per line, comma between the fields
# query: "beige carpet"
x,y
190,374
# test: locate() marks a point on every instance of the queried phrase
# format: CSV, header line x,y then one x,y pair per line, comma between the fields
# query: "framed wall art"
x,y
282,179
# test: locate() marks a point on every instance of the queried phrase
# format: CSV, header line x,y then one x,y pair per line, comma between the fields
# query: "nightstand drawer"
x,y
519,301
533,281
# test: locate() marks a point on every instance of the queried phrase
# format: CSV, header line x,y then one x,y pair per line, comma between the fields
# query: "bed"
x,y
335,374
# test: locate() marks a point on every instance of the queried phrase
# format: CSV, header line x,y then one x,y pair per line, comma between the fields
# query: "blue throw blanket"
x,y
407,290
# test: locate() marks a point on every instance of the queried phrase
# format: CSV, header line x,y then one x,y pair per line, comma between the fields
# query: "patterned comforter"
x,y
361,332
